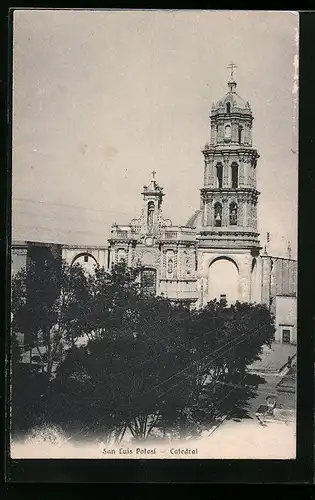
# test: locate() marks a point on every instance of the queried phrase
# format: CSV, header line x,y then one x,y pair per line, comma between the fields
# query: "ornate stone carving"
x,y
189,262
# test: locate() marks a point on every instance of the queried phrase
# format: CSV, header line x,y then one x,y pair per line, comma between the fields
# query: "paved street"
x,y
246,438
276,378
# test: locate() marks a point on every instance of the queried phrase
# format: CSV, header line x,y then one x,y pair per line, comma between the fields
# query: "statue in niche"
x,y
170,266
121,255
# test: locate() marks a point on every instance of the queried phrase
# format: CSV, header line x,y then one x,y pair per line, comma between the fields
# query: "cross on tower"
x,y
153,175
232,66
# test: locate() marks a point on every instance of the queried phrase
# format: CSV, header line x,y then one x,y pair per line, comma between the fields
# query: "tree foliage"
x,y
48,307
149,365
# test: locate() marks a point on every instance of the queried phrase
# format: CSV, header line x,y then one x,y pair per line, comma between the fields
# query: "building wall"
x,y
18,258
87,256
278,277
285,276
23,253
286,317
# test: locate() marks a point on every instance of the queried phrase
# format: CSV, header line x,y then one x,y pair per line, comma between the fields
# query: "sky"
x,y
103,98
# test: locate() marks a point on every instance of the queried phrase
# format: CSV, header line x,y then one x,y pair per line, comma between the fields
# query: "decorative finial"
x,y
232,66
289,249
232,83
153,175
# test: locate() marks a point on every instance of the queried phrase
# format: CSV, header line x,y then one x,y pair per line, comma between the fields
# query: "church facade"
x,y
217,253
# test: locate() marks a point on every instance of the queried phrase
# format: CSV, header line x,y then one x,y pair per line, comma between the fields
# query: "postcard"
x,y
154,234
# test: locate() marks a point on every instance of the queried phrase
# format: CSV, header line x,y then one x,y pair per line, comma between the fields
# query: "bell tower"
x,y
229,195
151,213
228,198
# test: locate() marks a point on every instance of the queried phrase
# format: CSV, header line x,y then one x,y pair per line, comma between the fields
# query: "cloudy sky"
x,y
102,98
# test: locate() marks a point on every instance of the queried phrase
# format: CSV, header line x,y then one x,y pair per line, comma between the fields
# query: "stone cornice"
x,y
222,150
226,244
233,233
85,247
126,241
179,279
247,192
236,114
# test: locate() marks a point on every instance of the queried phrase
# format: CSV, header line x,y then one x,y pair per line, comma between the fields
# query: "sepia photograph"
x,y
154,234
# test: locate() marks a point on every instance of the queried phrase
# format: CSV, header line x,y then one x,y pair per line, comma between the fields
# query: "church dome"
x,y
195,220
231,100
234,98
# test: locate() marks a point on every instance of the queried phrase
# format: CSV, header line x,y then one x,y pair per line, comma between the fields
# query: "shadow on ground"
x,y
241,409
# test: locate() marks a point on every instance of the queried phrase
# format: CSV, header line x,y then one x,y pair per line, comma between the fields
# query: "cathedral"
x,y
217,253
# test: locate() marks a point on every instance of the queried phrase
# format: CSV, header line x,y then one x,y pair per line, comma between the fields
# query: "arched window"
x,y
233,214
234,171
218,214
219,178
150,213
240,134
227,131
228,107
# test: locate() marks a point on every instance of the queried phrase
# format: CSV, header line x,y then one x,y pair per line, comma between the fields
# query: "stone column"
x,y
241,172
209,214
249,134
163,263
225,212
225,172
246,177
255,216
234,137
179,261
211,172
246,133
245,212
245,279
220,132
249,214
248,173
240,212
204,213
254,181
175,273
206,173
212,134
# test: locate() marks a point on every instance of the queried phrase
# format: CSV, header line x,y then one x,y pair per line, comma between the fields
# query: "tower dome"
x,y
231,103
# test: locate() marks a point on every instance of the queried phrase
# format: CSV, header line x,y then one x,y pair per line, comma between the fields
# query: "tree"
x,y
157,365
112,300
227,340
124,378
149,365
49,308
